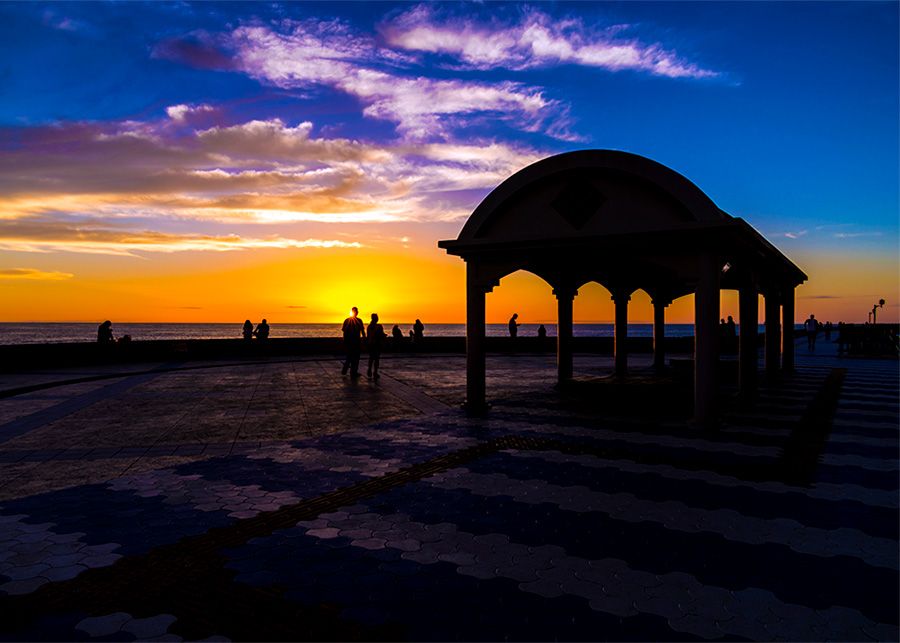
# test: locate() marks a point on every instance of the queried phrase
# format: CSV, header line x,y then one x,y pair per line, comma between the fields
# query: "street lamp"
x,y
875,308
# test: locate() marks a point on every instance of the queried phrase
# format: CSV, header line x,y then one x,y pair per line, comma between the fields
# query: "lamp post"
x,y
875,308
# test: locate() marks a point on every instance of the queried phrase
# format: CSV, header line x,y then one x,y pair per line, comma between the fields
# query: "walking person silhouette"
x,y
374,340
354,331
812,327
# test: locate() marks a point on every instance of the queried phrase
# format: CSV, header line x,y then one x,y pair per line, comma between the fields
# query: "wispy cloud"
x,y
34,274
95,237
65,23
854,235
536,40
311,54
197,49
239,173
385,72
791,234
182,113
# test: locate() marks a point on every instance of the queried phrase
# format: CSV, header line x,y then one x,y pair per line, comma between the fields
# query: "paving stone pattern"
x,y
575,526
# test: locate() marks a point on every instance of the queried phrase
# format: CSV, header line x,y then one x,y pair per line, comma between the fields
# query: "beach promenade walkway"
x,y
281,501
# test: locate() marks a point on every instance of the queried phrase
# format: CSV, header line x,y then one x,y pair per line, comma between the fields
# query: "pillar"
x,y
787,330
620,344
475,351
773,333
564,304
659,334
706,341
748,353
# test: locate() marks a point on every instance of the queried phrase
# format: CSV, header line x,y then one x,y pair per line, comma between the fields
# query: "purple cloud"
x,y
105,187
195,50
312,54
536,40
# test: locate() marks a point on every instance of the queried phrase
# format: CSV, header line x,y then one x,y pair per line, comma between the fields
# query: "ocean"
x,y
43,333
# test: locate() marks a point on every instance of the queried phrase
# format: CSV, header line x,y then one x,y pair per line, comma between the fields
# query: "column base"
x,y
710,424
747,401
477,409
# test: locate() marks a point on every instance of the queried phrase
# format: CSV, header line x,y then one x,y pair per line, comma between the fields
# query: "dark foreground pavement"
x,y
284,502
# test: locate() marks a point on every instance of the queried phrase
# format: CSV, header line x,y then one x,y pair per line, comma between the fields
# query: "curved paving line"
x,y
190,579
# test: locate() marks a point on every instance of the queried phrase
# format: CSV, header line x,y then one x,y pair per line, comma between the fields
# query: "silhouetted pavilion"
x,y
626,222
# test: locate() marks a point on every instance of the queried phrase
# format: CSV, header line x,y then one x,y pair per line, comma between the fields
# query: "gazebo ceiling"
x,y
616,218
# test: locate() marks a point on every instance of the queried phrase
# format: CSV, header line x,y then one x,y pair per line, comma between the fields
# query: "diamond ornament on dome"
x,y
578,202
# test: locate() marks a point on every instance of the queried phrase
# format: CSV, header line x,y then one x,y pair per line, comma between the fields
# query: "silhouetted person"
x,y
104,333
513,325
828,328
418,331
397,334
262,331
247,330
730,336
354,331
542,332
375,340
812,327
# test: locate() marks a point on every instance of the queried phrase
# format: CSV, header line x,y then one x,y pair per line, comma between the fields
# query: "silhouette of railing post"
x,y
659,333
565,298
748,349
620,343
773,334
706,340
787,330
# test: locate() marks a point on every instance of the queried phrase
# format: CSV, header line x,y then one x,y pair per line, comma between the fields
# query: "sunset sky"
x,y
214,162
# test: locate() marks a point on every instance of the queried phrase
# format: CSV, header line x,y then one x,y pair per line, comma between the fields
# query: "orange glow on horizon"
x,y
315,285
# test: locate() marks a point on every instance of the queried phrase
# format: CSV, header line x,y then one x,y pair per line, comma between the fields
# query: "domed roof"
x,y
589,192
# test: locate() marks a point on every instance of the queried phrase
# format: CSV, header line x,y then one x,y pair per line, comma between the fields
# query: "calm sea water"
x,y
40,333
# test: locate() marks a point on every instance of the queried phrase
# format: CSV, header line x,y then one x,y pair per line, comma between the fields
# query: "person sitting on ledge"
x,y
542,332
104,333
418,331
247,330
262,331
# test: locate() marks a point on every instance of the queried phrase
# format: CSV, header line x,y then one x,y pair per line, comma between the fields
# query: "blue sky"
x,y
784,113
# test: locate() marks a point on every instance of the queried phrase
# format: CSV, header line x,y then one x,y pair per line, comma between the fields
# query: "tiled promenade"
x,y
281,501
